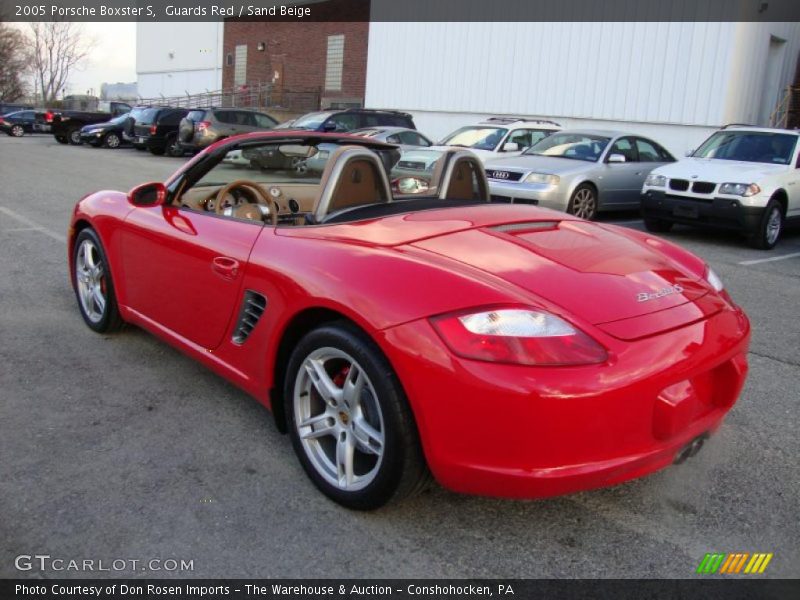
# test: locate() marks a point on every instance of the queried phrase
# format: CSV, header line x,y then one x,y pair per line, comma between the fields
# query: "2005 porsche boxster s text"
x,y
507,350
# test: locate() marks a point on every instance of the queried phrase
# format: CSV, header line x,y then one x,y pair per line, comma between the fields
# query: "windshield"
x,y
280,162
575,146
479,138
749,146
310,121
119,120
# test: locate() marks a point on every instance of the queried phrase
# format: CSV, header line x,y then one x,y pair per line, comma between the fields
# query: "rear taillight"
x,y
202,125
48,117
153,129
517,336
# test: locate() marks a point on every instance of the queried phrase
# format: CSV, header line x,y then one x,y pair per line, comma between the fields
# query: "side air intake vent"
x,y
252,309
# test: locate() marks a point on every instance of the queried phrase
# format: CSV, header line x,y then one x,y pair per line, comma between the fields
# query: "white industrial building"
x,y
675,82
173,59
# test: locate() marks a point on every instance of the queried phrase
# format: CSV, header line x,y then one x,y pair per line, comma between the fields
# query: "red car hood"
x,y
588,270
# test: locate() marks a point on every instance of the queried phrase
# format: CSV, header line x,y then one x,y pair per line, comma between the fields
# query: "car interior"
x,y
288,184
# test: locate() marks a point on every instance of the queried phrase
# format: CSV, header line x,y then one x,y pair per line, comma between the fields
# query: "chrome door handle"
x,y
225,266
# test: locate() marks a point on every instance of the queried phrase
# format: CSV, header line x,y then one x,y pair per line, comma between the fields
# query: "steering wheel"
x,y
248,211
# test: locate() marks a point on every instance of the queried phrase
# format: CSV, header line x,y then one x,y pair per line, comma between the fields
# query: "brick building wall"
x,y
293,54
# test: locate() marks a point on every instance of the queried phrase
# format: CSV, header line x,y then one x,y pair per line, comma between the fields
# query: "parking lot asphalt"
x,y
119,447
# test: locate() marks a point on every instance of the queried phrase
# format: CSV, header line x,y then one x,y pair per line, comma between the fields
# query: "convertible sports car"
x,y
507,350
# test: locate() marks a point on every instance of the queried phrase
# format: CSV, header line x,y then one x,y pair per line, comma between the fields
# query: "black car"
x,y
157,130
352,118
17,124
9,107
110,134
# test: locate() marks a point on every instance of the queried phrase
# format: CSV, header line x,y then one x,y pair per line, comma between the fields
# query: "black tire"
x,y
657,225
108,319
74,136
583,202
173,146
401,470
140,148
61,139
157,150
16,131
769,228
112,140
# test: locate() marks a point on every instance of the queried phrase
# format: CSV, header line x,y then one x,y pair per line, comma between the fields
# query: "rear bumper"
x,y
720,213
527,432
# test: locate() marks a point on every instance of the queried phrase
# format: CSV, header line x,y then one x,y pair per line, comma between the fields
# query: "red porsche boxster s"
x,y
505,349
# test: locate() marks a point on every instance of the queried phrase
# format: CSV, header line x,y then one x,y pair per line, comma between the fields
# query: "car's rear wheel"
x,y
112,140
74,136
174,146
657,225
17,131
61,139
93,285
769,229
583,203
349,420
157,150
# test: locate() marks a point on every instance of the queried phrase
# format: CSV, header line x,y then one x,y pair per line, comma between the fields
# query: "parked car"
x,y
342,121
204,126
9,107
500,136
744,179
156,129
110,134
67,124
581,172
17,124
382,333
403,137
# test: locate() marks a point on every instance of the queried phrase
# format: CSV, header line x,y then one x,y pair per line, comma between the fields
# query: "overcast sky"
x,y
112,60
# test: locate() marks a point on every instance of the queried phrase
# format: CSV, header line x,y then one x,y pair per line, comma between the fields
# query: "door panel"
x,y
183,269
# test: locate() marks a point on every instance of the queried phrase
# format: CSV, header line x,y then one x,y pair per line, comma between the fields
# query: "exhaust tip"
x,y
690,449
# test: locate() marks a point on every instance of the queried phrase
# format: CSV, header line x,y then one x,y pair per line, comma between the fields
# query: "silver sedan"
x,y
580,172
405,138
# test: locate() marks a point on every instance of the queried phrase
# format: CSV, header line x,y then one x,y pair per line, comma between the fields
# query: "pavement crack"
x,y
791,363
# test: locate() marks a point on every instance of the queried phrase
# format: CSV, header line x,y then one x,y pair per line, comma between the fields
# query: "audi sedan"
x,y
506,350
578,172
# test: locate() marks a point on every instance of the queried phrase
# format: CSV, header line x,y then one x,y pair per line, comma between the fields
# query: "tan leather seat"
x,y
462,177
353,176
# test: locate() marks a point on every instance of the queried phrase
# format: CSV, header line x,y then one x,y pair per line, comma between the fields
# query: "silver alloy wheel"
x,y
17,131
112,141
89,274
338,419
583,204
75,137
773,226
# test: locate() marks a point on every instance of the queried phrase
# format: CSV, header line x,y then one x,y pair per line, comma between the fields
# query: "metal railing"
x,y
256,97
787,112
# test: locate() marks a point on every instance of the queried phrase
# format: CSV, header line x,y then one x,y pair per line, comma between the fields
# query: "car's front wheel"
x,y
74,136
93,285
583,203
769,229
17,131
349,419
112,140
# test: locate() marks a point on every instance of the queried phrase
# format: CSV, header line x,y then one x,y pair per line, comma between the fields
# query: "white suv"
x,y
741,178
500,136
